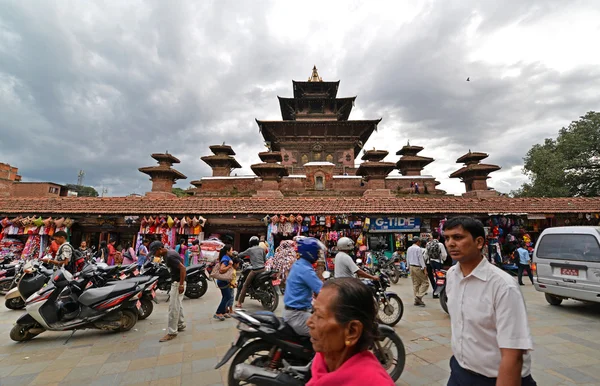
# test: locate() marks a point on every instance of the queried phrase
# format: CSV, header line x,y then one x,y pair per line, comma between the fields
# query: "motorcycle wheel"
x,y
15,303
21,333
271,299
128,320
5,285
395,276
391,313
444,300
255,353
196,290
393,364
146,308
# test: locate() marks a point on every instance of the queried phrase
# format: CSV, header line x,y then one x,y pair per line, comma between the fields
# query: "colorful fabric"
x,y
284,258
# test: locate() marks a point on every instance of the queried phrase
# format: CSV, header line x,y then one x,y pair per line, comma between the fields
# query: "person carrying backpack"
x,y
435,255
66,256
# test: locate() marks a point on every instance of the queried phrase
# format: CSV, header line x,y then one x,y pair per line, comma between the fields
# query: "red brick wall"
x,y
242,185
292,184
348,184
34,190
162,185
6,188
8,172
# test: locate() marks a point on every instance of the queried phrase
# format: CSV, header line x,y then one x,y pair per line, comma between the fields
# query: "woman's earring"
x,y
347,343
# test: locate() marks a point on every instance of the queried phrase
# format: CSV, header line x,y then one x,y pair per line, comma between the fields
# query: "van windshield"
x,y
569,247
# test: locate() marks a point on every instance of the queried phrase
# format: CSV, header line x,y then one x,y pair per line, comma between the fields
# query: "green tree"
x,y
83,191
568,166
180,192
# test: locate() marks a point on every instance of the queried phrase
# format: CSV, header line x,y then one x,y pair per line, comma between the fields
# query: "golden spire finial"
x,y
315,75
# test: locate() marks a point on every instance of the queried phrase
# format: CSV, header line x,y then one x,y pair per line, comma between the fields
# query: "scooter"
x,y
90,277
440,289
34,277
56,308
11,278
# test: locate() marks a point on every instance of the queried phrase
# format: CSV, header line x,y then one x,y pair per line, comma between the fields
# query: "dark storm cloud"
x,y
101,86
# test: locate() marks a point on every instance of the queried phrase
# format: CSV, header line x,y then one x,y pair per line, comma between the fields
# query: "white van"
x,y
566,264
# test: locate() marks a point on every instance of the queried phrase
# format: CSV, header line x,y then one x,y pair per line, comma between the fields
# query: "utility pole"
x,y
104,191
80,176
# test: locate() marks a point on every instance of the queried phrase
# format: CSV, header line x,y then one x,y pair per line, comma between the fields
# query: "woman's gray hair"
x,y
355,301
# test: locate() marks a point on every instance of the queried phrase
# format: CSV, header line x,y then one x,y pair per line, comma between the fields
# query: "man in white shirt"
x,y
491,341
414,259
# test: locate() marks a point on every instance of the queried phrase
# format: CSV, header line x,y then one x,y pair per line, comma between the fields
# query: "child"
x,y
232,286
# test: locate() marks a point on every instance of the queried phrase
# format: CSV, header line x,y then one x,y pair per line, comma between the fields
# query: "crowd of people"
x,y
491,341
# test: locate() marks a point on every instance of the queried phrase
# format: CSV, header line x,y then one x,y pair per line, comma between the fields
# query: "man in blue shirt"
x,y
301,283
523,263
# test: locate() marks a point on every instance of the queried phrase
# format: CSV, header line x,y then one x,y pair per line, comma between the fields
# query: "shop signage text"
x,y
391,224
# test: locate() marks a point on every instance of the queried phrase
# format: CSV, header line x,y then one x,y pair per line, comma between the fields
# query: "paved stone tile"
x,y
114,368
567,347
17,380
576,376
167,371
82,373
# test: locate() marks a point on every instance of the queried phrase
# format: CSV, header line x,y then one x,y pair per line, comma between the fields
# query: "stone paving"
x,y
567,347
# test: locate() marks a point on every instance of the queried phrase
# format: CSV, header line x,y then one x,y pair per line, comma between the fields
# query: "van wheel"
x,y
553,300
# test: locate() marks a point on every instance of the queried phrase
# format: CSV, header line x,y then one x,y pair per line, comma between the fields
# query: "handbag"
x,y
217,275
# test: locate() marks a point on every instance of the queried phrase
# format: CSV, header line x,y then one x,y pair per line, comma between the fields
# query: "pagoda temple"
x,y
474,174
315,127
163,176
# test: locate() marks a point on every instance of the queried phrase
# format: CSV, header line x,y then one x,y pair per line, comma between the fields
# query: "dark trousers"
x,y
226,294
523,267
435,266
464,377
430,276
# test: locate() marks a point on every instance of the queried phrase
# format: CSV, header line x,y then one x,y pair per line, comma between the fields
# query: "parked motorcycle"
x,y
269,352
56,307
262,288
196,279
440,290
11,277
91,276
387,266
34,277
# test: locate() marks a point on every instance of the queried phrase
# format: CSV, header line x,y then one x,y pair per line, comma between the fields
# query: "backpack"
x,y
434,251
76,262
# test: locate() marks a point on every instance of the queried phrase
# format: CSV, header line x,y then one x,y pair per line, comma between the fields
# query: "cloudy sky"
x,y
100,85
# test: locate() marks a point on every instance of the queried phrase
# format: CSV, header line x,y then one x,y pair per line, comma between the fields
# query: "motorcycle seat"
x,y
269,319
264,275
138,279
96,295
196,267
289,332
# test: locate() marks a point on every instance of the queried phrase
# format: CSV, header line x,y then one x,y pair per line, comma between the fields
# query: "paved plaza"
x,y
567,347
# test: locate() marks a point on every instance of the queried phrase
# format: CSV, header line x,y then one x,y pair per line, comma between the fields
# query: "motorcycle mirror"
x,y
326,275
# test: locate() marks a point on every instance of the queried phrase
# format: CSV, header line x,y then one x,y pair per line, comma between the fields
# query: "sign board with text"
x,y
395,224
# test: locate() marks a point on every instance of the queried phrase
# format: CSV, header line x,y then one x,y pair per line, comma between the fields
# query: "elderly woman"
x,y
342,328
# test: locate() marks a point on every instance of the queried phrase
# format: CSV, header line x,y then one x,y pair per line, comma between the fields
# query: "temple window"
x,y
319,183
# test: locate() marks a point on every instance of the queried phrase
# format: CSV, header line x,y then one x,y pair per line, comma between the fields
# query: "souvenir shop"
x,y
28,237
395,233
327,228
171,230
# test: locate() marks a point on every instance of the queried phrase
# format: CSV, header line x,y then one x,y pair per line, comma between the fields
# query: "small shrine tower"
x,y
163,176
411,164
475,174
374,171
222,161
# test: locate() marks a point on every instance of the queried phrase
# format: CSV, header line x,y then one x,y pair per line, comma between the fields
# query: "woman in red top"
x,y
342,328
112,251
